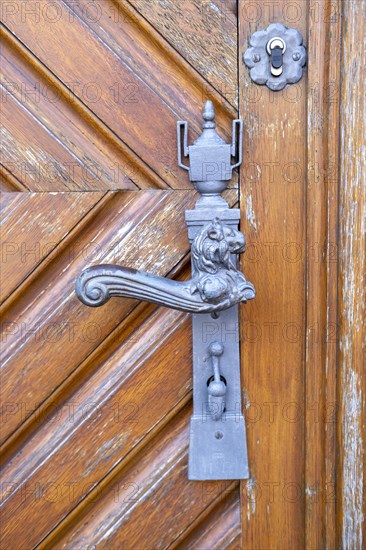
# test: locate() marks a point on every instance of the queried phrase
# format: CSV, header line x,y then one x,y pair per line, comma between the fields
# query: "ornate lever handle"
x,y
216,284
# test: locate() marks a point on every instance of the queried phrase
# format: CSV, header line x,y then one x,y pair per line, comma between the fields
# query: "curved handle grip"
x,y
96,285
216,283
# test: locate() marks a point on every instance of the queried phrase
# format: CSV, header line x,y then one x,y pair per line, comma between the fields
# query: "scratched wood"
x,y
102,362
221,528
102,423
91,397
99,158
33,225
322,252
161,475
351,470
126,230
204,33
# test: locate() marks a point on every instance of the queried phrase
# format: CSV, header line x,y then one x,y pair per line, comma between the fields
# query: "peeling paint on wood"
x,y
251,497
353,460
352,280
250,212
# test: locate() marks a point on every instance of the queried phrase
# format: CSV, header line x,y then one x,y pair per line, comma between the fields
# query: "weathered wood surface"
x,y
127,229
204,33
96,402
91,94
274,219
351,471
85,389
303,203
33,228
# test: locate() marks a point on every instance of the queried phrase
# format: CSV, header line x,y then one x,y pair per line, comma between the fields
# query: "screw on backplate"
x,y
256,58
296,56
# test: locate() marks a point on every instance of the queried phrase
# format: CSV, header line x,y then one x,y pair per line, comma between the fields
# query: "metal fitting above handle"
x,y
210,156
216,284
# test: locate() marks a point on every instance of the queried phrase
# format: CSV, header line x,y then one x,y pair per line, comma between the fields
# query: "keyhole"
x,y
276,57
276,47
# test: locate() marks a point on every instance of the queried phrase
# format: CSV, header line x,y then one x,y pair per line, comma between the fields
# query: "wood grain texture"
x,y
161,476
36,157
273,325
32,226
351,495
96,402
8,181
204,33
331,491
83,423
130,392
130,229
134,83
99,157
321,250
221,527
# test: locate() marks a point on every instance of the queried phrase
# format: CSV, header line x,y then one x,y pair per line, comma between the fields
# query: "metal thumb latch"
x,y
217,383
218,447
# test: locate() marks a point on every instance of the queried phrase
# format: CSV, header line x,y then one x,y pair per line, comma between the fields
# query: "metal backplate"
x,y
218,448
258,58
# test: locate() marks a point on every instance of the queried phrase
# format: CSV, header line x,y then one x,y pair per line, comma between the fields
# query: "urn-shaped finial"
x,y
210,156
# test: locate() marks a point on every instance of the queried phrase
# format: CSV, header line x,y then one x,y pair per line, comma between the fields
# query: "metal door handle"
x,y
217,448
216,284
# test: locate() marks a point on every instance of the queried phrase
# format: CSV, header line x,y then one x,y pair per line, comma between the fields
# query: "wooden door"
x,y
96,402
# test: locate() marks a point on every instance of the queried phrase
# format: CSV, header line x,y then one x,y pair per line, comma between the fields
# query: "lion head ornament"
x,y
215,276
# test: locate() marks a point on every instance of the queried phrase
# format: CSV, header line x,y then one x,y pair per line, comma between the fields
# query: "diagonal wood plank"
x,y
130,392
8,181
204,33
221,526
133,229
32,226
53,105
36,157
123,516
125,54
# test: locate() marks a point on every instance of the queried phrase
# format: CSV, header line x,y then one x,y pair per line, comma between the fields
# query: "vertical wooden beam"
x,y
321,303
273,199
352,281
